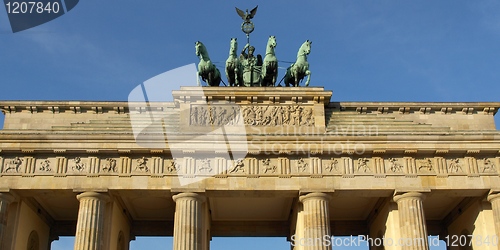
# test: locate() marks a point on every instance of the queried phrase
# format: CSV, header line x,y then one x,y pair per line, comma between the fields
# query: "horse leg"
x,y
237,82
218,77
228,75
275,75
287,78
308,73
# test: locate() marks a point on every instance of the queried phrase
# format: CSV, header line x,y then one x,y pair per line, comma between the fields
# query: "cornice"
x,y
418,107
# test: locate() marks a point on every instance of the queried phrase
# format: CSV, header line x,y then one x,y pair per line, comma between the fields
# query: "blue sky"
x,y
418,51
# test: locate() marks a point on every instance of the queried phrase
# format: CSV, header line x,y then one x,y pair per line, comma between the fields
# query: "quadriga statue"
x,y
233,65
206,69
298,70
270,65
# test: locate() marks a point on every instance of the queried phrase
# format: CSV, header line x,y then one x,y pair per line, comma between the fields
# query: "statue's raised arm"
x,y
243,54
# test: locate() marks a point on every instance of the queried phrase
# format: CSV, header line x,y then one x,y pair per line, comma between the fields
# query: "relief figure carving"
x,y
45,166
110,165
13,165
238,165
173,166
332,166
219,116
455,166
489,166
79,165
142,165
426,165
395,166
268,166
301,165
252,116
205,166
363,165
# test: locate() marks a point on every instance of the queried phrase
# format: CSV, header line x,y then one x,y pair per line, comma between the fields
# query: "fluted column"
x,y
188,221
412,221
89,228
494,199
5,200
316,221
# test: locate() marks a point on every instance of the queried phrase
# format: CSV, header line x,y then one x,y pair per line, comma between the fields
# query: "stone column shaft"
x,y
494,199
5,200
188,221
316,221
412,221
89,228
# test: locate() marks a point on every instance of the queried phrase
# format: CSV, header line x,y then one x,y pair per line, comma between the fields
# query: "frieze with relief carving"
x,y
331,166
291,115
215,115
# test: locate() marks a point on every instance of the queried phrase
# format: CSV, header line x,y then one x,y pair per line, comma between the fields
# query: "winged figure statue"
x,y
246,16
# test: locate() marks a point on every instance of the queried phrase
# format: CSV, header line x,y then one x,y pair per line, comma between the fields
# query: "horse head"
x,y
197,46
305,49
234,46
272,41
201,51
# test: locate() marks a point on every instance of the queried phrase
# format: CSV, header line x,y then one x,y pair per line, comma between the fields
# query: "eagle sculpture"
x,y
245,15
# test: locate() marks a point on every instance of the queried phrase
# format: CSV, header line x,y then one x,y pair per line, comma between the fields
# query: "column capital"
x,y
409,195
94,195
493,196
320,196
194,196
7,197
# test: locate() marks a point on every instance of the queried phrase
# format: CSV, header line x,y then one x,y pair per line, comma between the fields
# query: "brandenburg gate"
x,y
259,161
